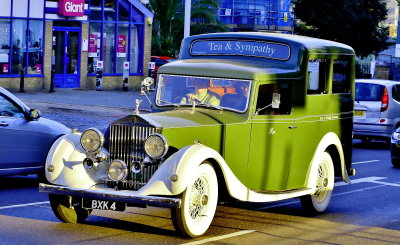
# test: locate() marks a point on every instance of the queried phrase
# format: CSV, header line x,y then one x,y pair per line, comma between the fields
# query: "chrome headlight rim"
x,y
123,173
100,140
396,135
164,145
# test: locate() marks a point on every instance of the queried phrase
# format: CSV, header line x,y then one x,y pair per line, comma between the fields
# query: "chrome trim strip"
x,y
108,194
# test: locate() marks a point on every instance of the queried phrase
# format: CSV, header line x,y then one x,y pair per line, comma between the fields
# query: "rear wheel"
x,y
66,212
199,202
319,201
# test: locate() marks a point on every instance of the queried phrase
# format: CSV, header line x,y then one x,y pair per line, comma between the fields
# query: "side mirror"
x,y
146,85
35,114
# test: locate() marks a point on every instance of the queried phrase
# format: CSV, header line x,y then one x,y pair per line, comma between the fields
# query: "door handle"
x,y
3,124
292,127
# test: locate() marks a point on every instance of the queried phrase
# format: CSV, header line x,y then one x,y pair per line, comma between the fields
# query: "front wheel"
x,y
66,212
319,201
199,202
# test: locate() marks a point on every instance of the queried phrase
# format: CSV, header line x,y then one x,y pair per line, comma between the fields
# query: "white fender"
x,y
181,164
329,139
65,162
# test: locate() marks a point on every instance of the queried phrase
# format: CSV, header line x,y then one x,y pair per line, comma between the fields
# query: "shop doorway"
x,y
66,58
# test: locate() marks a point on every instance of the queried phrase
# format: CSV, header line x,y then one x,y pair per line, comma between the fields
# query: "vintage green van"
x,y
256,117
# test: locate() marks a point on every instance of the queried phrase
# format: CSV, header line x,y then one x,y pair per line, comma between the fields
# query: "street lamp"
x,y
186,30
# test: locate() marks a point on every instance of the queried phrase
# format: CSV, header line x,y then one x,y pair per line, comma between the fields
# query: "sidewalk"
x,y
85,100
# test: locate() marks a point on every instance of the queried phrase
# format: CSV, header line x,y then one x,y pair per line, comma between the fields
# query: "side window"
x,y
318,70
8,109
341,77
265,97
396,92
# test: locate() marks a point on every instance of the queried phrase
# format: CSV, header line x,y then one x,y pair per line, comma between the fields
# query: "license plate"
x,y
103,205
359,113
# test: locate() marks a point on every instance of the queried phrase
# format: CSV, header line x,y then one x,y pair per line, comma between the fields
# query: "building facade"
x,y
64,42
257,15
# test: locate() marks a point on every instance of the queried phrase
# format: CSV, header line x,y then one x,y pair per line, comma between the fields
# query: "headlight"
x,y
92,140
396,136
156,146
118,170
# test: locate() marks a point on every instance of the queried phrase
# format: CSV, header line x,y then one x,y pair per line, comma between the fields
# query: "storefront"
x,y
67,40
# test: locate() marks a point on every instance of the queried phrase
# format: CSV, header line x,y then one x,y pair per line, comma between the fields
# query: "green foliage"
x,y
357,23
168,23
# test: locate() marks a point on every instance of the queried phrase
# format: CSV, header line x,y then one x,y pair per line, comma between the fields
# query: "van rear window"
x,y
368,92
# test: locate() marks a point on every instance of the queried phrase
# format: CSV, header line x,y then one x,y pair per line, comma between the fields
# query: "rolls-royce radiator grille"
x,y
127,144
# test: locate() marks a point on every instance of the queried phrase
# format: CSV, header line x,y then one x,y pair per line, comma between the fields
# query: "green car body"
x,y
256,117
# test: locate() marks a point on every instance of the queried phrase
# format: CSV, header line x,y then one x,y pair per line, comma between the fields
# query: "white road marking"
x,y
355,163
239,233
24,205
370,179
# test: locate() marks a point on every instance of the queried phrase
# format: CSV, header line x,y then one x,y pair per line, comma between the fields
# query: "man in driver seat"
x,y
202,94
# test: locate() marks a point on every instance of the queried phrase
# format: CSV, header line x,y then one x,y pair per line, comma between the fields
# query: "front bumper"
x,y
108,194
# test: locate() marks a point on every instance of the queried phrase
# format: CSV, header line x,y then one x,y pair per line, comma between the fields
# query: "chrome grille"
x,y
127,144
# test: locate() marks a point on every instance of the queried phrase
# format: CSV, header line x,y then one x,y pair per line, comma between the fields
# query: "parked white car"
x,y
376,109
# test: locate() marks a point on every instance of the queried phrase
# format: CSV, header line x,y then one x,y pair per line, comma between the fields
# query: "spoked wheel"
x,y
319,202
61,208
199,202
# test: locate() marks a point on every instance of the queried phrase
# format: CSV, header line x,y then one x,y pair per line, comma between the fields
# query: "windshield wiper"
x,y
168,103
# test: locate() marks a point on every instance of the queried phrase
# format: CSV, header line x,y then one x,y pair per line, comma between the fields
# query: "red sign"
x,y
5,68
121,48
71,7
92,43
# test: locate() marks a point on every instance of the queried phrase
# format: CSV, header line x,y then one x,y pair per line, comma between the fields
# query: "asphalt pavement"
x,y
85,100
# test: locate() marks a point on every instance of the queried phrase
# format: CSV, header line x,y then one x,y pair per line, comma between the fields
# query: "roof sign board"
x,y
71,7
268,50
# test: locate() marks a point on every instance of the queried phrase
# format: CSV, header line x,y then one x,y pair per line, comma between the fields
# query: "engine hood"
x,y
187,118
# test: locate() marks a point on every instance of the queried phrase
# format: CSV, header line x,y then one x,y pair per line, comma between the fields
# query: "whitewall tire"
x,y
199,202
63,211
319,201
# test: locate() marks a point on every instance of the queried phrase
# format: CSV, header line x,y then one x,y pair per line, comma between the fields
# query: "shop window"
x,y
341,76
109,10
124,10
108,47
35,55
5,9
122,46
36,8
4,45
137,16
134,50
94,46
318,70
20,8
95,10
18,45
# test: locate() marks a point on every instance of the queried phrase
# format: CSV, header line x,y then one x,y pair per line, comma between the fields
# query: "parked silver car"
x,y
25,137
376,109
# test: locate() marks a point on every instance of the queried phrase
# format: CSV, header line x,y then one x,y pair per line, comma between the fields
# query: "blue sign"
x,y
261,49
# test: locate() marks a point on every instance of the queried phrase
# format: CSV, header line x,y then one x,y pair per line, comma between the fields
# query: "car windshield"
x,y
208,92
368,92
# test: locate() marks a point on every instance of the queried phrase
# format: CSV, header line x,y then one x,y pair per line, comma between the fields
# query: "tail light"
x,y
385,100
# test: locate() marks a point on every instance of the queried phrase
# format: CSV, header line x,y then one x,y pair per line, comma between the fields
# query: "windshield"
x,y
209,92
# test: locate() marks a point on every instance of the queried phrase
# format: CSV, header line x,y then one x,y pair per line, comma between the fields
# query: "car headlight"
x,y
156,146
396,136
118,170
92,140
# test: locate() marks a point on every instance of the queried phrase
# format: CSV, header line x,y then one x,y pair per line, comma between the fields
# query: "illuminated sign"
x,y
71,7
268,50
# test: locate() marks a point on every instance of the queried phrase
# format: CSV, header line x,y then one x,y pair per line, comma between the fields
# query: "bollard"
x,y
22,81
99,76
125,76
52,81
